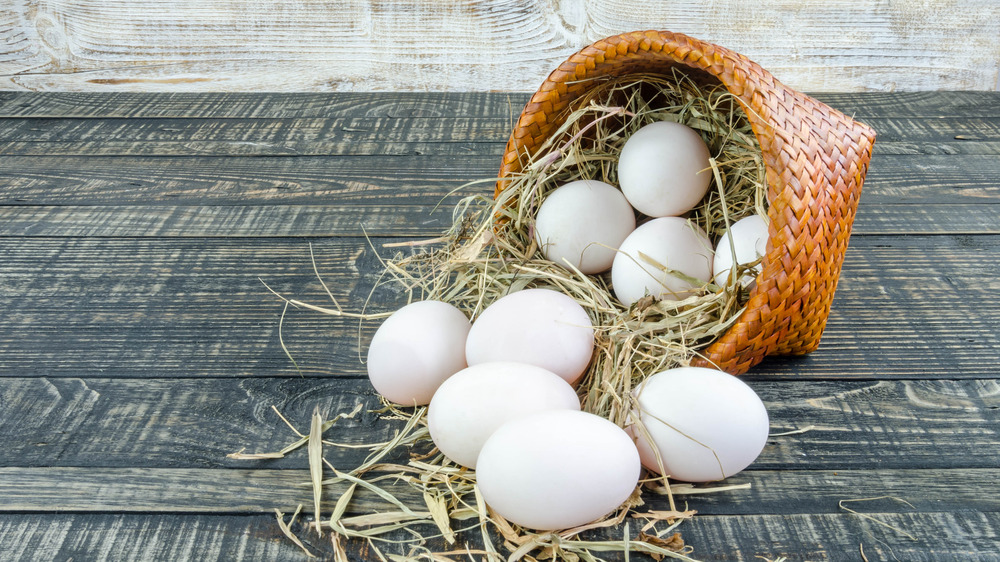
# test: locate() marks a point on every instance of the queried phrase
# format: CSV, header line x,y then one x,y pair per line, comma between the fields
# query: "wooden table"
x,y
139,347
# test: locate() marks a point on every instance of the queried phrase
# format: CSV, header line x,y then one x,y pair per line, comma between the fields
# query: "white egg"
x,y
536,326
557,469
663,169
473,403
706,424
583,222
416,349
749,243
670,243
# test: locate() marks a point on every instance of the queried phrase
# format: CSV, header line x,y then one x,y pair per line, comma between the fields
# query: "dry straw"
x,y
489,252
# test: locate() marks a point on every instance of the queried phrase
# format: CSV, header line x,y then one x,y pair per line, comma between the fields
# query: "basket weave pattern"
x,y
815,159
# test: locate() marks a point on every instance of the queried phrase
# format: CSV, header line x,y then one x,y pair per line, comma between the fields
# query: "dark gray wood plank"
x,y
929,104
372,135
390,180
195,423
274,105
218,105
282,221
906,307
403,220
143,538
356,146
376,147
298,131
214,180
961,536
192,490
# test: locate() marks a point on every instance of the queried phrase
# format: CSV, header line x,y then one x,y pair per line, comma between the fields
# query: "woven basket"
x,y
815,159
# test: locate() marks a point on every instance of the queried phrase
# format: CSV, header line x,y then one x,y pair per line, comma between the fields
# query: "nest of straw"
x,y
489,252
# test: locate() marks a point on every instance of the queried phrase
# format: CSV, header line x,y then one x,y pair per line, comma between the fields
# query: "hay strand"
x,y
489,252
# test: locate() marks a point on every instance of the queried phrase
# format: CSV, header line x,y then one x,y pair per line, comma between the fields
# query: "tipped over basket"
x,y
815,160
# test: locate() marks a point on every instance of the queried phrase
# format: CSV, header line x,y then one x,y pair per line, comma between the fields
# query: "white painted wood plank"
x,y
507,45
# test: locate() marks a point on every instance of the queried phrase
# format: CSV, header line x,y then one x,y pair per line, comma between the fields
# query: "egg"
x,y
557,469
416,349
749,243
583,222
706,424
537,326
664,169
473,403
672,243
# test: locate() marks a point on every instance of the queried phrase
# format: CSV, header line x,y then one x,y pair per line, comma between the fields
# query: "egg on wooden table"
x,y
583,222
472,404
705,424
537,326
648,258
746,240
416,349
664,169
557,469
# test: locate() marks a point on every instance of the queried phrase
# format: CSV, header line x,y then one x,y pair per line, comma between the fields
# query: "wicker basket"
x,y
815,159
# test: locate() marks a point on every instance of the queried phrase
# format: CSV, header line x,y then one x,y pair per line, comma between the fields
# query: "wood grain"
x,y
138,346
158,310
487,105
960,536
194,423
495,45
190,490
387,130
159,307
379,136
379,220
409,179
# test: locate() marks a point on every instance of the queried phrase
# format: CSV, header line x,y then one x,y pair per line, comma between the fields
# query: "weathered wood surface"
x,y
138,346
958,536
938,294
194,490
488,105
157,45
194,423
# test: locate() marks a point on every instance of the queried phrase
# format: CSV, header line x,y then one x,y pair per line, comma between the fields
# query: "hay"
x,y
490,252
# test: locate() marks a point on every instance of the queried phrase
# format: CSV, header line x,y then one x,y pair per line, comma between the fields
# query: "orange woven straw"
x,y
815,159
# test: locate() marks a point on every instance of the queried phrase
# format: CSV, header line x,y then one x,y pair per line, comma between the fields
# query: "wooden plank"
x,y
194,490
146,307
861,426
301,105
367,135
960,536
375,147
298,131
143,538
302,221
413,179
485,105
213,180
379,220
225,45
327,148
